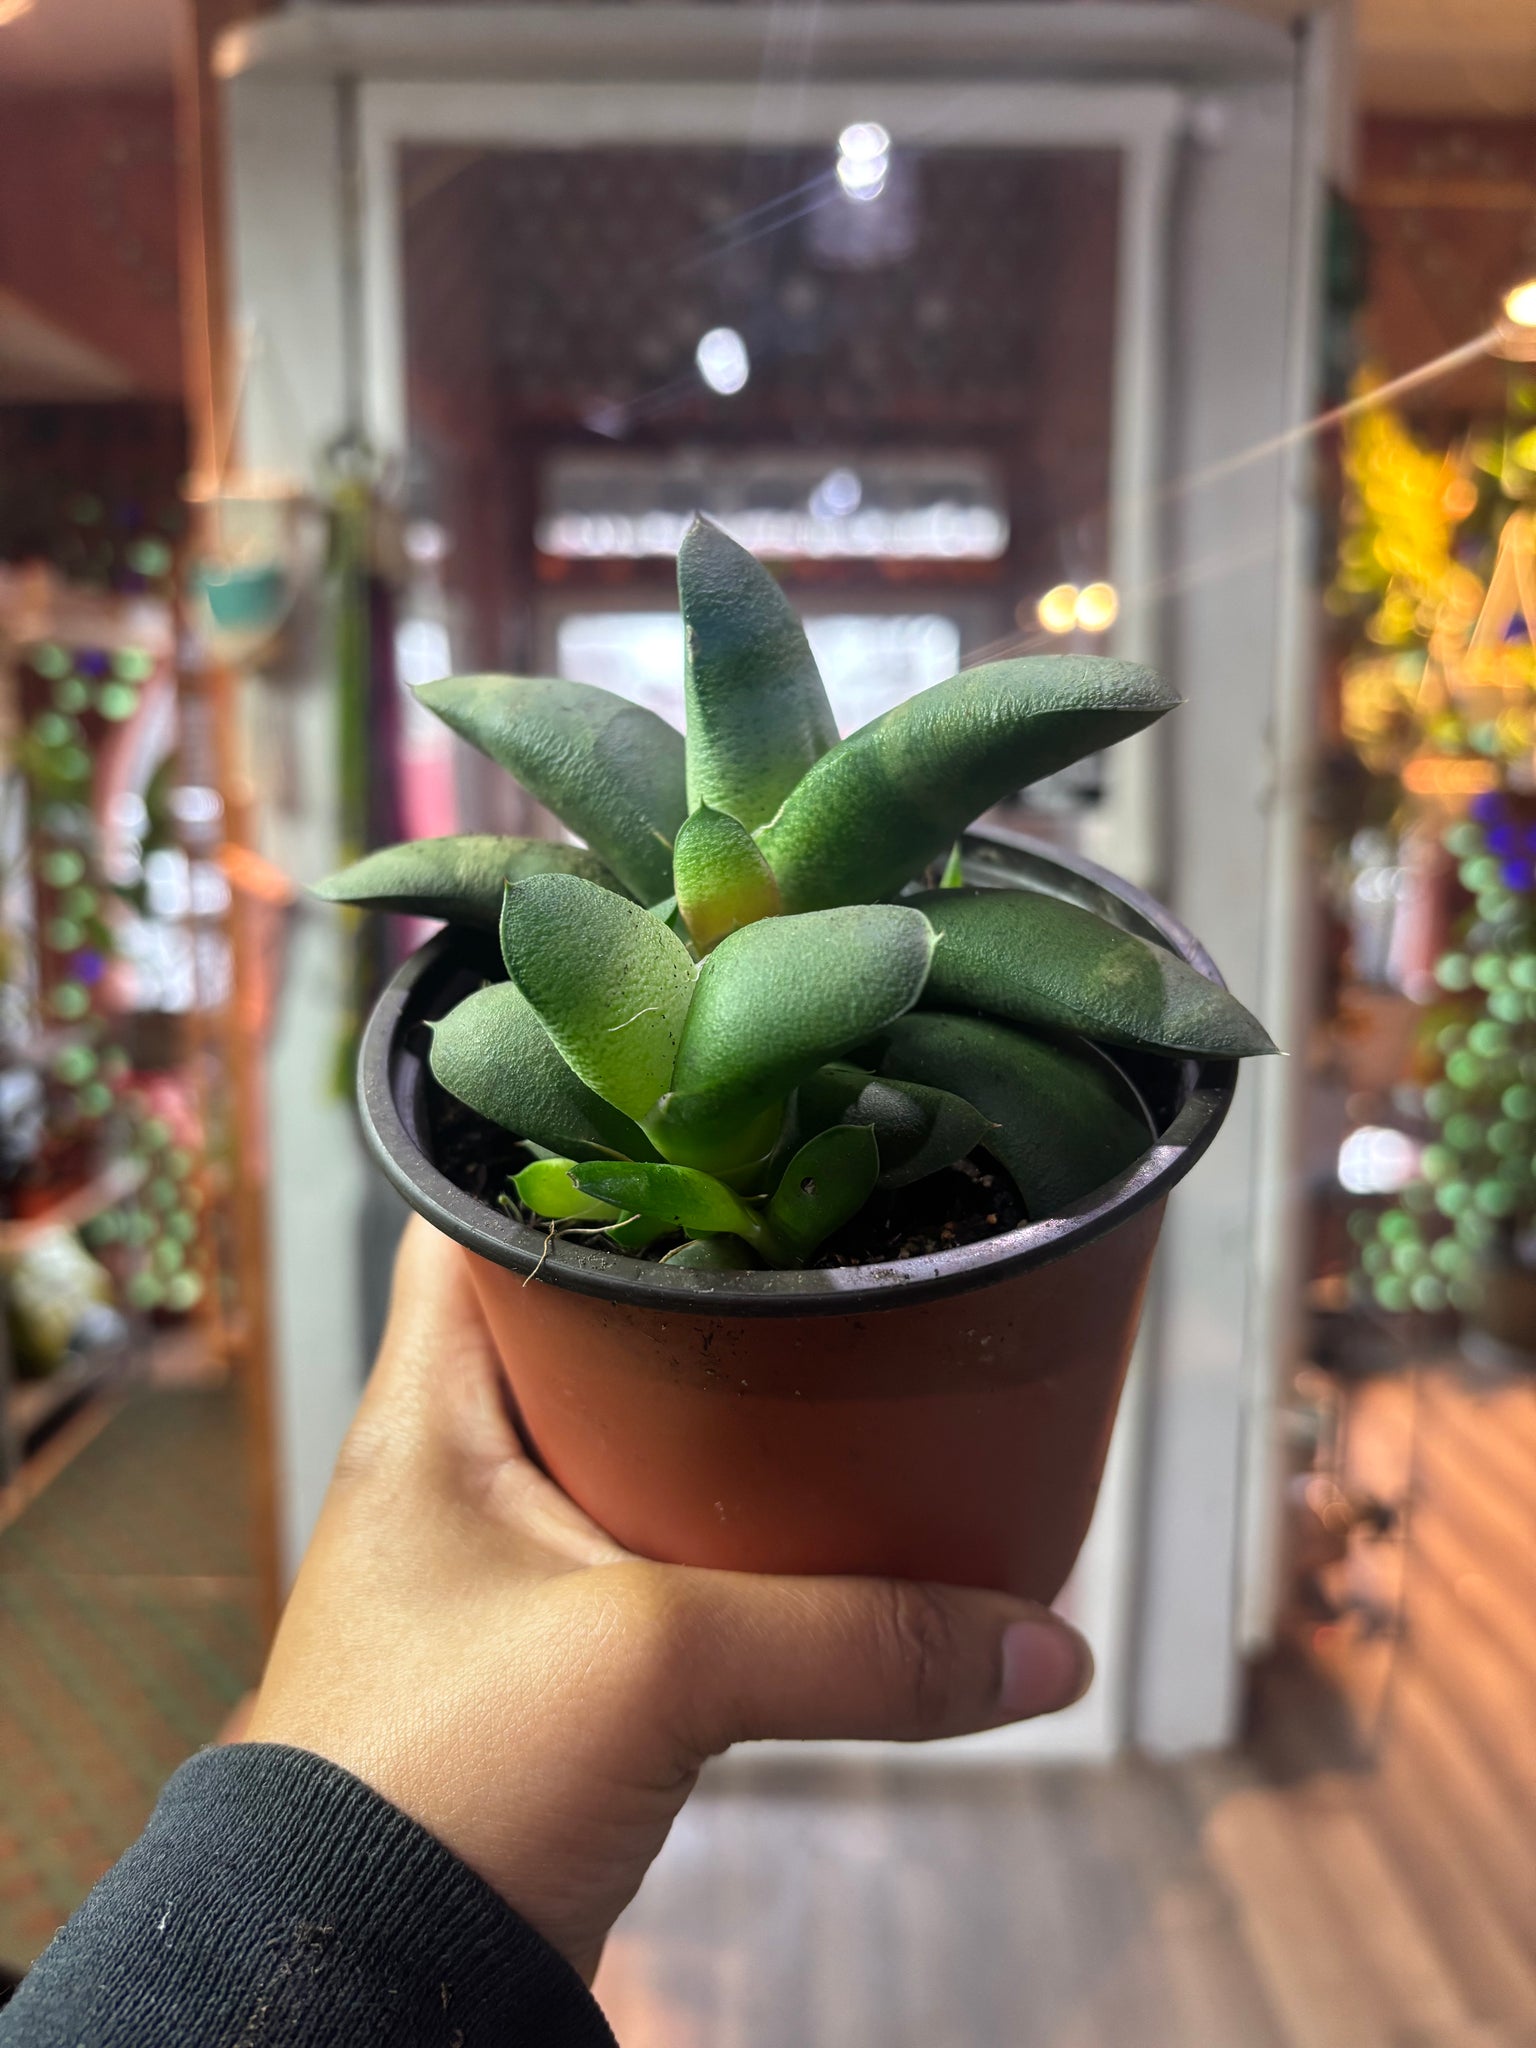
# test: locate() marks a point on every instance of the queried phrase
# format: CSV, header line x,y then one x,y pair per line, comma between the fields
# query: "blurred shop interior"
x,y
348,345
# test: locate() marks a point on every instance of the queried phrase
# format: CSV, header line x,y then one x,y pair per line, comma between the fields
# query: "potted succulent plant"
x,y
811,1151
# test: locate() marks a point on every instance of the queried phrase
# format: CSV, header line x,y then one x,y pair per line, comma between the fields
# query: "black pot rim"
x,y
388,1070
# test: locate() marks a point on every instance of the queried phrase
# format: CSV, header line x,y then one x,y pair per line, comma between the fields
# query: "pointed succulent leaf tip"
x,y
1036,960
492,1053
918,1130
713,1255
461,879
723,882
547,1189
1064,1119
610,984
777,999
953,876
757,713
829,1179
887,801
679,1196
610,770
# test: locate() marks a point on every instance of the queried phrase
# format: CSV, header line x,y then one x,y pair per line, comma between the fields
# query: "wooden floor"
x,y
1362,1875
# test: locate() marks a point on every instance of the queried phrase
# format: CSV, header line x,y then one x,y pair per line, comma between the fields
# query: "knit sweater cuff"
x,y
274,1897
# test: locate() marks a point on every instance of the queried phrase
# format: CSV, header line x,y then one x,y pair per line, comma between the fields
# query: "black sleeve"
x,y
274,1901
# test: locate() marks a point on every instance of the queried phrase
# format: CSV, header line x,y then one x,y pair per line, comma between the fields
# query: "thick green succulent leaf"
x,y
609,982
953,876
610,770
1065,1121
829,1179
872,814
757,713
678,1196
547,1189
713,1255
918,1130
460,879
492,1052
1038,961
777,999
635,1233
723,882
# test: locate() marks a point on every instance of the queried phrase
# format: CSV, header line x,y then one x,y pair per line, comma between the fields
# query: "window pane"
x,y
868,662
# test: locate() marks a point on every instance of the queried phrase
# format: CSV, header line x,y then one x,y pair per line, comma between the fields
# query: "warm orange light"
x,y
1459,498
253,875
1449,775
1098,607
13,10
1520,304
1057,610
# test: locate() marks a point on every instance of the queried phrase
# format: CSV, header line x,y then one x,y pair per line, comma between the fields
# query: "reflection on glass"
x,y
783,504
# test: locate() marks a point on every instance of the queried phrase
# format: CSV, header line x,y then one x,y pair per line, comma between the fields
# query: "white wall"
x,y
286,243
1227,626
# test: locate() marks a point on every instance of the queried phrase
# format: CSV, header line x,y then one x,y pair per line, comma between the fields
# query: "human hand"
x,y
463,1639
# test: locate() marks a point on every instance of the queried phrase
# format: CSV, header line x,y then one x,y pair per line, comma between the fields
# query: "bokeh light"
x,y
863,159
723,361
1057,610
1097,607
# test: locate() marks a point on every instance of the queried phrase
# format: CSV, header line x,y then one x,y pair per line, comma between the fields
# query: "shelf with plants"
x,y
103,1192
34,1409
1437,586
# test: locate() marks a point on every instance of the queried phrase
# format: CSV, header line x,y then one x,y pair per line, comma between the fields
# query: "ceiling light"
x,y
863,159
863,181
862,141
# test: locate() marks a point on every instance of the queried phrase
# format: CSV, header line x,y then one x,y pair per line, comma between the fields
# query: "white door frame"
x,y
1141,123
1210,127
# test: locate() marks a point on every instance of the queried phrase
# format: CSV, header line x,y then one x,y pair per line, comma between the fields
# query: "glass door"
x,y
884,365
904,349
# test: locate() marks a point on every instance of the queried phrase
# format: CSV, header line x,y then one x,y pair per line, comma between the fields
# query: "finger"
x,y
865,1658
437,1399
437,1374
430,1295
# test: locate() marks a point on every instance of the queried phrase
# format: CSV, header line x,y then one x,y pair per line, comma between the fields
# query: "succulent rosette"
x,y
749,998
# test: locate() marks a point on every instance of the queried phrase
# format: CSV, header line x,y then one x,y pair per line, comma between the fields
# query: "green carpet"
x,y
128,1630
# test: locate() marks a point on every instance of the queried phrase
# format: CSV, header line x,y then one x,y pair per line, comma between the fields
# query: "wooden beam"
x,y
235,1043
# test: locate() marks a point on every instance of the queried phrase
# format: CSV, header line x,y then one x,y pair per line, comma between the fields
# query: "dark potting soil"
x,y
961,1205
476,1155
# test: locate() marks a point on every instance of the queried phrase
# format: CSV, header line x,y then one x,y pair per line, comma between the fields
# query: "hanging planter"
x,y
262,546
811,1209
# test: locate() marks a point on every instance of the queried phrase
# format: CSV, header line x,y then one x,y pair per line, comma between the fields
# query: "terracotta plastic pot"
x,y
940,1418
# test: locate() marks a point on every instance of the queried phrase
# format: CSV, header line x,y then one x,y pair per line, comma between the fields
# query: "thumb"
x,y
887,1659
